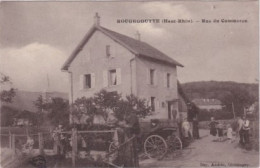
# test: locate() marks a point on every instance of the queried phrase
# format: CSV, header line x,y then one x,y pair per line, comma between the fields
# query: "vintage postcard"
x,y
129,84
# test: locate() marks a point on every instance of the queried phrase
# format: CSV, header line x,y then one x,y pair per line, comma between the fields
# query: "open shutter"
x,y
81,82
149,102
118,76
105,79
172,80
164,79
93,80
156,77
148,76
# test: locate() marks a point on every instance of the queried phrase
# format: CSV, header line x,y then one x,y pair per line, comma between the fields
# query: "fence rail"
x,y
43,141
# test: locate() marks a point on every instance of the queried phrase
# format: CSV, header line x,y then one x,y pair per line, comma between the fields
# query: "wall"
x,y
159,90
93,59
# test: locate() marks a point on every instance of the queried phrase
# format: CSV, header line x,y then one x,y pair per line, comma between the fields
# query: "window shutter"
x,y
105,79
172,79
118,76
149,102
81,82
155,77
164,79
112,50
93,80
148,76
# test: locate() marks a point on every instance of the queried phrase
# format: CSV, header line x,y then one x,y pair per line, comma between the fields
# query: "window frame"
x,y
108,51
86,83
152,76
110,82
168,80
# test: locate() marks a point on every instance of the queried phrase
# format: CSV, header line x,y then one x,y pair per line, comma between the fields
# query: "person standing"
x,y
240,131
220,128
57,137
186,131
180,121
213,128
196,134
131,129
193,113
246,129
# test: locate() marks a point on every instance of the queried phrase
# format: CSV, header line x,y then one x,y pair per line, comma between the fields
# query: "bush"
x,y
103,102
7,115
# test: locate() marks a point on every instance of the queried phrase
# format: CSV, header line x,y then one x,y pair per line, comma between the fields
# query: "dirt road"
x,y
205,153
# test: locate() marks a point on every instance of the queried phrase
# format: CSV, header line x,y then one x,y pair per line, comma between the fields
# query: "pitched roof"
x,y
137,47
206,102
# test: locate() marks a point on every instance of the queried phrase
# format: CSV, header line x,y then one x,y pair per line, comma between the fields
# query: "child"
x,y
229,133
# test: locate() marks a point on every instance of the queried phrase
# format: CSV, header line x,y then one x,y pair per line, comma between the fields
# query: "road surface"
x,y
205,153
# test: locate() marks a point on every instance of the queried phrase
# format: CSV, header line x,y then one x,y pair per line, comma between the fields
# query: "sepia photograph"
x,y
129,84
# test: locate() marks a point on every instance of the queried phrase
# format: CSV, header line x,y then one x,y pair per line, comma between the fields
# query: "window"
x,y
108,53
112,77
152,72
153,103
87,81
168,77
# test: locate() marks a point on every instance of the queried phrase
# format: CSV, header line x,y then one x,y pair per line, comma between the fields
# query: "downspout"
x,y
131,75
71,94
71,86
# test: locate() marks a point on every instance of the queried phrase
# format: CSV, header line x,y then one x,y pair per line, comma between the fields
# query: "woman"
x,y
213,128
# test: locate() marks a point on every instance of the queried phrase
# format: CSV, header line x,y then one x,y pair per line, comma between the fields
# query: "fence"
x,y
80,148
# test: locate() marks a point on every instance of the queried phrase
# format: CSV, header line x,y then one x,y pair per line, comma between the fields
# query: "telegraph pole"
x,y
233,110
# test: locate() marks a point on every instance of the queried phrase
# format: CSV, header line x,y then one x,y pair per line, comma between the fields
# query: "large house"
x,y
108,60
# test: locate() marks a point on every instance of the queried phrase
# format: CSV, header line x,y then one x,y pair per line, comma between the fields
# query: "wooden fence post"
x,y
13,146
40,138
10,140
74,146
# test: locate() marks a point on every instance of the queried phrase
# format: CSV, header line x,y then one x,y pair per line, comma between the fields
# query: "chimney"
x,y
97,19
138,36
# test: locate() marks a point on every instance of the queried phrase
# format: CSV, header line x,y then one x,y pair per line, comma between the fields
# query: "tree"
x,y
104,101
41,106
6,95
56,110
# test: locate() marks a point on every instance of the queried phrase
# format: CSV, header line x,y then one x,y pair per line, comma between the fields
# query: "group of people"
x,y
240,127
189,126
127,129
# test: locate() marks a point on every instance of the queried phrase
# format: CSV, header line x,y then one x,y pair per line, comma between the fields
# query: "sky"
x,y
37,37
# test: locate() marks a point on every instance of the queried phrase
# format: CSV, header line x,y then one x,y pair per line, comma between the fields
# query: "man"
x,y
192,113
131,129
180,121
195,133
58,140
240,131
246,129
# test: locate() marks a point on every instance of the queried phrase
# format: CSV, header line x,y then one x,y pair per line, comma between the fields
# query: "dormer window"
x,y
108,52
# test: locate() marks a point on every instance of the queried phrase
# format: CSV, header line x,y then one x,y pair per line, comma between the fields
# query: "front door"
x,y
169,109
172,112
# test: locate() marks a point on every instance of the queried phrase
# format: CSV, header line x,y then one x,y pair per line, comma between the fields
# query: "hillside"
x,y
24,100
241,94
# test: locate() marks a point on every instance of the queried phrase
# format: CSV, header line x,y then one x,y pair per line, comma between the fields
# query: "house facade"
x,y
208,104
117,63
